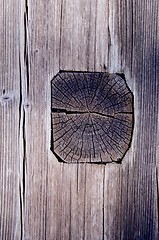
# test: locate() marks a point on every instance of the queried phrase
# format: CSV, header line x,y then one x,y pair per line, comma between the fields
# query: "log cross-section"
x,y
92,117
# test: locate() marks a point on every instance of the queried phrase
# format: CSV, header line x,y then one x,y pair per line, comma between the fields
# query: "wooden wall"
x,y
41,198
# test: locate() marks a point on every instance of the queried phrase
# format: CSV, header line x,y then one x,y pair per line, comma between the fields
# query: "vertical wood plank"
x,y
90,201
138,48
43,34
94,202
79,35
10,194
132,211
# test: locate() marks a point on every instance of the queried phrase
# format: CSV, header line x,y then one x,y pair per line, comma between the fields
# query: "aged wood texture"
x,y
10,118
92,117
40,197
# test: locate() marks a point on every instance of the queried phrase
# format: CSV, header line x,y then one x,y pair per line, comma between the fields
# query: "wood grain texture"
x,y
10,120
92,117
72,201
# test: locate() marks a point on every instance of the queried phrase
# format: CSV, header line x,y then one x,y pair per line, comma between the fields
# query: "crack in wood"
x,y
24,71
58,110
92,117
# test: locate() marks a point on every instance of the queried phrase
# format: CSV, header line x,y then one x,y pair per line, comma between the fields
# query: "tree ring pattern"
x,y
92,117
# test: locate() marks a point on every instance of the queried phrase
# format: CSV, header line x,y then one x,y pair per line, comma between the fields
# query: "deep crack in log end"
x,y
92,117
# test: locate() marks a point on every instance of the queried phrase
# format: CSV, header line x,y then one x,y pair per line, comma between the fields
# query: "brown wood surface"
x,y
41,198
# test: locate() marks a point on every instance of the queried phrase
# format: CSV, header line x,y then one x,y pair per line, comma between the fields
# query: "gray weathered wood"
x,y
11,119
40,197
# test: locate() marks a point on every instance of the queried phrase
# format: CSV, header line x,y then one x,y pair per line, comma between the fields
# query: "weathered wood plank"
x,y
10,108
132,211
78,22
43,34
44,199
92,202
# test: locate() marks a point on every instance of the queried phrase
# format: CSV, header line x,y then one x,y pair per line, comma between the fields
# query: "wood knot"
x,y
5,97
92,117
